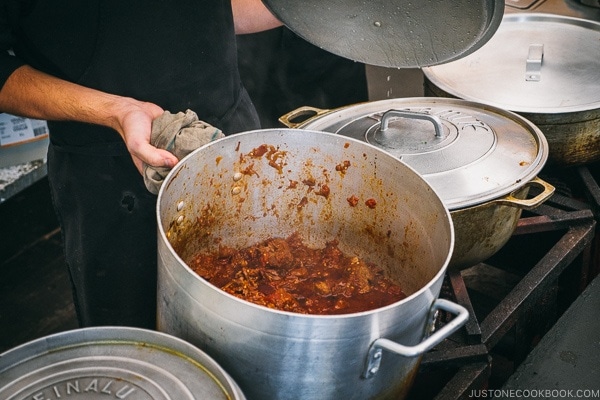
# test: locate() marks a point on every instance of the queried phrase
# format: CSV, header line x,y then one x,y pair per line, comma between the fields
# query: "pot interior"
x,y
246,188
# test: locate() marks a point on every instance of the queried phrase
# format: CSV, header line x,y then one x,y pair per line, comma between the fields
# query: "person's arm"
x,y
31,93
251,16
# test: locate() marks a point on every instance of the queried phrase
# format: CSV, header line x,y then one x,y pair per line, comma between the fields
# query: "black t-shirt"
x,y
178,54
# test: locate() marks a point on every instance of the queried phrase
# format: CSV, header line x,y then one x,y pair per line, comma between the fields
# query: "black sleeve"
x,y
9,14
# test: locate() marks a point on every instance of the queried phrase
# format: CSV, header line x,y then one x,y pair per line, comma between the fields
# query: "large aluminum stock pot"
x,y
480,159
248,187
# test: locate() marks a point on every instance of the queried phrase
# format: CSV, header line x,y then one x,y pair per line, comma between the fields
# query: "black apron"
x,y
109,226
180,55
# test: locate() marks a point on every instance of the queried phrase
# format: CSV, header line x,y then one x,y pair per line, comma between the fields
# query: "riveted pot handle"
x,y
375,353
306,112
527,204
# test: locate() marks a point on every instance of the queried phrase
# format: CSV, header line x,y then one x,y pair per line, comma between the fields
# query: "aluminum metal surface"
x,y
393,33
206,202
112,362
568,66
484,152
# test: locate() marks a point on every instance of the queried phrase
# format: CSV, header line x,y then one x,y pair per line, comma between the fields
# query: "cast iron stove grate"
x,y
517,295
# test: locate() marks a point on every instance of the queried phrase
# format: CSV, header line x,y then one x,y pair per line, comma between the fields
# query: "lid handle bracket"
x,y
533,69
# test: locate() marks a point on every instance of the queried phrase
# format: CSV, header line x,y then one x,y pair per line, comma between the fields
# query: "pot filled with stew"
x,y
306,263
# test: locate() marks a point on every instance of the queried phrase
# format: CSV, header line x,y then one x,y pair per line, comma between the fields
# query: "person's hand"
x,y
135,126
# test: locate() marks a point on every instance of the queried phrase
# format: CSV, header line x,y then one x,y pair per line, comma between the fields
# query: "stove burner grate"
x,y
517,295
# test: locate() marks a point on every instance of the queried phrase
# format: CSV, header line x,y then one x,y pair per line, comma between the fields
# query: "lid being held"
x,y
393,33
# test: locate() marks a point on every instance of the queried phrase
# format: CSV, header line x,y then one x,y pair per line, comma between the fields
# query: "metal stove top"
x,y
516,296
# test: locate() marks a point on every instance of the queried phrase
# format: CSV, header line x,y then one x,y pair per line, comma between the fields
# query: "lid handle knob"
x,y
533,70
436,121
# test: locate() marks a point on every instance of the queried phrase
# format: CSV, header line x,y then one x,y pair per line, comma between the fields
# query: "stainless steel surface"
x,y
385,82
274,354
112,362
482,154
396,33
561,96
569,66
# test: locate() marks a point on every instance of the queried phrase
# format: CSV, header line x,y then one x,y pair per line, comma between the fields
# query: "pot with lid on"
x,y
481,160
544,67
253,186
113,362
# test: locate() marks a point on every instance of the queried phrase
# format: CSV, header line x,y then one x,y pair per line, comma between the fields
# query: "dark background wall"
x,y
283,72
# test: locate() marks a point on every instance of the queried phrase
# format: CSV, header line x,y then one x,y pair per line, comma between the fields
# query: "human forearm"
x,y
34,94
252,16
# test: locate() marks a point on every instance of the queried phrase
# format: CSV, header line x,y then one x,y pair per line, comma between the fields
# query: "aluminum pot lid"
x,y
107,362
535,63
470,153
393,33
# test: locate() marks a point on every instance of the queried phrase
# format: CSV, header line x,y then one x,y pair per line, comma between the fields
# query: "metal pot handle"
x,y
528,204
376,349
305,111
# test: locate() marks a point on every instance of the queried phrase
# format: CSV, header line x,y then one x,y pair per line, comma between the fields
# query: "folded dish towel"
x,y
180,134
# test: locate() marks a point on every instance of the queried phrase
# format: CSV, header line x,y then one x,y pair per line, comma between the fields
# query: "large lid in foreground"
x,y
468,152
393,33
107,362
535,63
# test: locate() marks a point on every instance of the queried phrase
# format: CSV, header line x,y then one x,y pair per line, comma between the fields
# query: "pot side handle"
x,y
306,112
528,204
375,353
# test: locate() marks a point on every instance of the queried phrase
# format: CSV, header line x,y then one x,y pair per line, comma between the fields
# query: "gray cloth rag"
x,y
180,134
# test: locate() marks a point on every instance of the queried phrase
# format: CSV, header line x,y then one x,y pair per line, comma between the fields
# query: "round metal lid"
x,y
393,33
468,152
535,63
107,362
